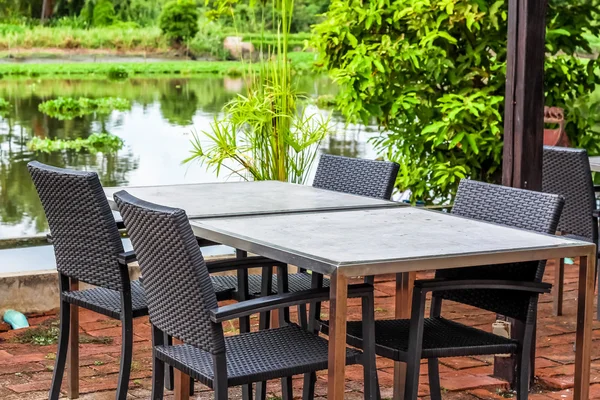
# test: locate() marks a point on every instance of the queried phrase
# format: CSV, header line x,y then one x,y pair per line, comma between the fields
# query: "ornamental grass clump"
x,y
265,134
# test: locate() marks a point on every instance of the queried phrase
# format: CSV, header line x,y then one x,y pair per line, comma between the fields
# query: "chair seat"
x,y
296,283
108,302
441,338
257,356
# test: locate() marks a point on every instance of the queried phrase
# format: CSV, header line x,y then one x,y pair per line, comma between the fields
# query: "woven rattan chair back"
x,y
524,209
84,233
356,176
177,284
567,172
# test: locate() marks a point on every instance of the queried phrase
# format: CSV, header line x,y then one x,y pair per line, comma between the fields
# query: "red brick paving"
x,y
26,370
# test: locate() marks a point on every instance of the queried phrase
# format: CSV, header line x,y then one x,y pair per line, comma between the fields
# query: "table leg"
x,y
404,288
585,315
559,282
73,352
337,336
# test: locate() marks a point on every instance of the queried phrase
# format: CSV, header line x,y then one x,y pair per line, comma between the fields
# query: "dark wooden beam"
x,y
524,102
523,116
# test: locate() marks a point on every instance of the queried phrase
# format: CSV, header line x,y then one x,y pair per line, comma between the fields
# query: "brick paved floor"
x,y
26,369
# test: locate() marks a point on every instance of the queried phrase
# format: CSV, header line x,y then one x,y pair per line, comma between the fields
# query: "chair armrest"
x,y
267,303
127,257
238,263
433,285
596,188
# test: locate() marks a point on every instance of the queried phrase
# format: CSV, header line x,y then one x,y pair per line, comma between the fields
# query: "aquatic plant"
x,y
68,107
4,107
97,142
117,73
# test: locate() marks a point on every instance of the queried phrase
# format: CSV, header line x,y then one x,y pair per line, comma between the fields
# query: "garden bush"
x,y
179,20
432,75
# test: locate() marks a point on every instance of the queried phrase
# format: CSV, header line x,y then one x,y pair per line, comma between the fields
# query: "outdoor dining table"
x,y
595,164
351,243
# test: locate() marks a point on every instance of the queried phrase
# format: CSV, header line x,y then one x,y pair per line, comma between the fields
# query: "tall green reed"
x,y
266,133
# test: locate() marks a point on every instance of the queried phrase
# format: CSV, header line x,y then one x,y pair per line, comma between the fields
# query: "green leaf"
x,y
472,143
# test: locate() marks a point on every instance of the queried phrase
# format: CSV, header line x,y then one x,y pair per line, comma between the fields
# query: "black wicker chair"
x,y
88,248
182,303
508,289
567,172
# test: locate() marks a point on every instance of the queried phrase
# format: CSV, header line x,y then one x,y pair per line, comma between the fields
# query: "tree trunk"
x,y
47,9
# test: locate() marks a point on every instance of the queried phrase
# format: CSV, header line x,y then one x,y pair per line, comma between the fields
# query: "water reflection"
x,y
156,132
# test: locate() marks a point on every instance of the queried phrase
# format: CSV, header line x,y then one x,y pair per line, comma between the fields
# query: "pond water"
x,y
156,132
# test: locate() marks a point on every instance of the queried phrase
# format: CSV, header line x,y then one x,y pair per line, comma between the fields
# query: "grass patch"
x,y
47,334
111,38
95,143
301,62
66,108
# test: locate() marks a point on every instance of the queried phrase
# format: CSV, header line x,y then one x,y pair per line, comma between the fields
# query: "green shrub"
x,y
432,74
179,20
104,13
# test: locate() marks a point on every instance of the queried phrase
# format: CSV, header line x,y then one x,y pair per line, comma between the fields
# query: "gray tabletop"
x,y
209,200
595,164
379,241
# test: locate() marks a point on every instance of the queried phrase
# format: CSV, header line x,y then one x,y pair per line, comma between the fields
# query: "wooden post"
x,y
524,101
524,108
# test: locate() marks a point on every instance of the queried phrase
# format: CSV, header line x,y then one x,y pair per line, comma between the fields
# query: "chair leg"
x,y
158,377
264,322
302,316
310,379
559,281
369,363
415,344
523,363
61,354
126,356
73,352
287,392
158,366
220,379
308,390
169,383
435,390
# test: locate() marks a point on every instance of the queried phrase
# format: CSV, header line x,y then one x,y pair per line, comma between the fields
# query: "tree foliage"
x,y
431,73
179,20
